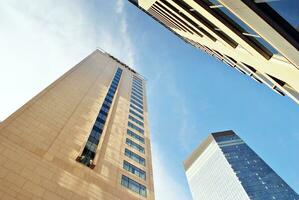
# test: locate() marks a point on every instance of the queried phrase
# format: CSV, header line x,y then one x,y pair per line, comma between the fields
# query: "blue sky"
x,y
190,94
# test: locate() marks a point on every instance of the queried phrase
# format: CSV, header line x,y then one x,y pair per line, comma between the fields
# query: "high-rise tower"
x,y
85,136
224,167
256,37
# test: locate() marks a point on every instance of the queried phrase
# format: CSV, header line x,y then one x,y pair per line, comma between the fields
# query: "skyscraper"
x,y
224,167
258,38
85,136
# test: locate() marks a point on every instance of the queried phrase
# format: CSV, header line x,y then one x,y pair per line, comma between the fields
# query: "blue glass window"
x,y
135,157
134,170
133,185
258,179
137,109
136,91
136,85
136,104
135,120
134,145
137,95
136,99
135,136
90,148
136,114
133,126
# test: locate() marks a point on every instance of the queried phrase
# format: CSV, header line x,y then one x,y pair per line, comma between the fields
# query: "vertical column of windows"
x,y
136,124
90,148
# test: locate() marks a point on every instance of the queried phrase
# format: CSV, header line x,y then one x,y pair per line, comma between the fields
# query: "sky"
x,y
190,94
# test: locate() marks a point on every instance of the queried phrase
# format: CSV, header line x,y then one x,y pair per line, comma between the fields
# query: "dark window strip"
x,y
206,22
134,145
172,16
137,78
163,19
137,86
133,185
169,18
135,90
133,126
138,89
137,81
278,81
186,25
136,114
136,120
134,170
238,30
190,21
137,96
277,22
90,148
134,156
137,99
135,136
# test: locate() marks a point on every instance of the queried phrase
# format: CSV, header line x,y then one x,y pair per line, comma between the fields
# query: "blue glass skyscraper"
x,y
225,167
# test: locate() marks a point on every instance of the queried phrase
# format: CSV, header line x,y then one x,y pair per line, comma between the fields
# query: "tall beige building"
x,y
259,38
85,136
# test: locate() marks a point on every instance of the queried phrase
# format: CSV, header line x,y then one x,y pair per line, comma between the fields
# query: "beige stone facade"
x,y
40,142
249,36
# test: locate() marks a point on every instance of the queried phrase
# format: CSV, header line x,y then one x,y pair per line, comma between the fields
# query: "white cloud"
x,y
119,6
126,39
40,40
166,185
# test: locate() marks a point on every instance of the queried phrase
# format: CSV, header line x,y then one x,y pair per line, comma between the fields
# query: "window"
x,y
137,109
281,15
136,120
136,104
137,85
107,104
137,79
140,130
134,157
164,19
137,95
246,30
183,23
135,136
136,114
135,90
90,148
191,22
136,99
133,185
205,22
134,170
251,39
134,145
